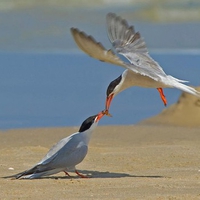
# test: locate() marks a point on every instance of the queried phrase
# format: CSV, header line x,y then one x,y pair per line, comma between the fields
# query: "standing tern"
x,y
141,70
66,154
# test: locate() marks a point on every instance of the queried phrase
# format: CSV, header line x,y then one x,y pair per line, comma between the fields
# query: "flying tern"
x,y
141,70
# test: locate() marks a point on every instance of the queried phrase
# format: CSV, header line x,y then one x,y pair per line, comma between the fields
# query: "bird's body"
x,y
141,70
131,78
134,79
66,154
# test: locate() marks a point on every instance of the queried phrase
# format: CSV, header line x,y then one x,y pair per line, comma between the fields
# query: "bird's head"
x,y
113,89
91,122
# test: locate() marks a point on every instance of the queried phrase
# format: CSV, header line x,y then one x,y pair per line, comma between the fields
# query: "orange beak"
x,y
100,115
108,102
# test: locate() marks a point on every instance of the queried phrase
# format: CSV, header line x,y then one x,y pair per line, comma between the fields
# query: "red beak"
x,y
100,115
108,101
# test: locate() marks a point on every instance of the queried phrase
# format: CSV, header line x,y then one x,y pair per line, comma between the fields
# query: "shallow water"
x,y
39,90
45,80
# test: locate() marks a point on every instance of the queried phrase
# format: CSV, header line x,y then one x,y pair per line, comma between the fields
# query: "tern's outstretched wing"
x,y
96,50
130,44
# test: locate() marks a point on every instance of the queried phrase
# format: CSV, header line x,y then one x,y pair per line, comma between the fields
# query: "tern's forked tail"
x,y
179,85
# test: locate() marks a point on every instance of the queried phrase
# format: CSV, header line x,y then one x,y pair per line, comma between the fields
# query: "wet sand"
x,y
123,162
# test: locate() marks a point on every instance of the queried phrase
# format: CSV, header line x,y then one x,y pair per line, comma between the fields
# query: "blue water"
x,y
45,80
48,89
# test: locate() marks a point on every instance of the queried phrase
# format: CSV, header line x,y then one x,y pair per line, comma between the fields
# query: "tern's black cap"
x,y
113,84
87,123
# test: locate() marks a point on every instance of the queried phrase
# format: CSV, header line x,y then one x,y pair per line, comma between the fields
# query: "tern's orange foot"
x,y
81,175
160,90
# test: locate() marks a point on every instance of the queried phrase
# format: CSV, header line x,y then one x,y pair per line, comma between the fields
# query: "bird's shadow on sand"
x,y
97,174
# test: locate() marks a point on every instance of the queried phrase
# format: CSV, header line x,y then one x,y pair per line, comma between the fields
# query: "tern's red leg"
x,y
81,175
66,173
160,90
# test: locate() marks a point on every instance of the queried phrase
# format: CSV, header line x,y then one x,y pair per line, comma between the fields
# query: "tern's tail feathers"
x,y
24,173
35,172
179,85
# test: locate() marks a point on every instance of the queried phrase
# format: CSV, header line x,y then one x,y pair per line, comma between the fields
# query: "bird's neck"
x,y
87,135
130,79
124,83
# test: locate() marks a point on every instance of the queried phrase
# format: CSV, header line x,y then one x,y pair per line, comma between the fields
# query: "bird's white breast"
x,y
134,79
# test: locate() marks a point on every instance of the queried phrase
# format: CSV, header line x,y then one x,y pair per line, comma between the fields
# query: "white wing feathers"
x,y
121,34
130,44
127,43
96,50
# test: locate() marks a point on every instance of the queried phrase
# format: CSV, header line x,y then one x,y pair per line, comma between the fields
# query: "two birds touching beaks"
x,y
141,70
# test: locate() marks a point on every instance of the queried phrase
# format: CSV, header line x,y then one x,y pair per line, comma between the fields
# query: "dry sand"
x,y
186,112
124,162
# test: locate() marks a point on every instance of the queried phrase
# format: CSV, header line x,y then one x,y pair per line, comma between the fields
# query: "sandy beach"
x,y
124,162
157,159
46,79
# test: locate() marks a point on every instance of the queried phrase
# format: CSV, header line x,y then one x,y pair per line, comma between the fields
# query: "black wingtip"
x,y
12,177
